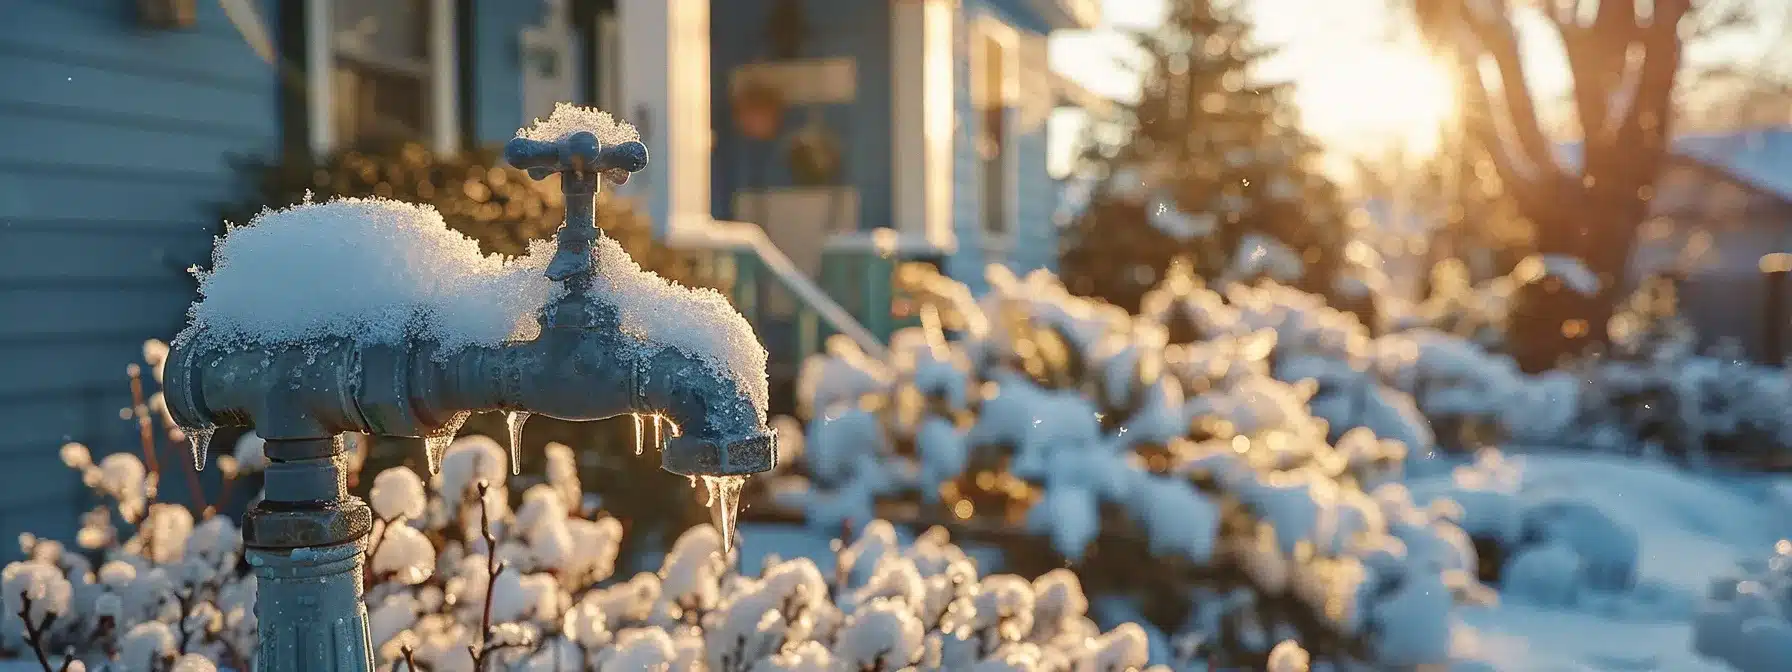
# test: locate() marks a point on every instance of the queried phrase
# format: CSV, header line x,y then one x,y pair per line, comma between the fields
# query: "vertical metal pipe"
x,y
305,541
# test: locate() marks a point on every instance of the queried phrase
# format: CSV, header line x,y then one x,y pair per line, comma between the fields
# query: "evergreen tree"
x,y
1212,168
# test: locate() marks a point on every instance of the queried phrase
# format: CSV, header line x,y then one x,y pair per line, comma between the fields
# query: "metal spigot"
x,y
581,161
306,538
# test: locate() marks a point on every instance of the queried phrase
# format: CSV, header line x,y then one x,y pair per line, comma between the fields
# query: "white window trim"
x,y
1009,38
665,92
606,60
923,121
444,89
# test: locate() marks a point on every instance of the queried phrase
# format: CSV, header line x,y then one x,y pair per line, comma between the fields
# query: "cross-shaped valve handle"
x,y
579,159
578,153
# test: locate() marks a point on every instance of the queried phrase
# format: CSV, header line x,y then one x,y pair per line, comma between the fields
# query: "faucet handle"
x,y
579,152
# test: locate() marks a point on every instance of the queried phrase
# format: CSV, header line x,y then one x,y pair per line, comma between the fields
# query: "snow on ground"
x,y
1690,528
1522,638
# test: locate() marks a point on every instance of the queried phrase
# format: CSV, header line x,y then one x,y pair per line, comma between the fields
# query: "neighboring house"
x,y
114,135
1722,203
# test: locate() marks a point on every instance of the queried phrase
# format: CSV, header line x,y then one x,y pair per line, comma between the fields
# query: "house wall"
x,y
1724,292
855,30
114,142
1034,242
113,146
496,53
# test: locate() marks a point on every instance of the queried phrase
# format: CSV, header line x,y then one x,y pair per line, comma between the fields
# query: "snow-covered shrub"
x,y
155,587
448,557
1746,621
1246,439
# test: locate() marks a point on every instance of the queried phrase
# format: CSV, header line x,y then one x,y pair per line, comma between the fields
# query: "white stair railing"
x,y
721,235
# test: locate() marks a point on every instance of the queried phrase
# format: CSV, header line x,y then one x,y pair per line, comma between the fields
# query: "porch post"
x,y
921,43
665,93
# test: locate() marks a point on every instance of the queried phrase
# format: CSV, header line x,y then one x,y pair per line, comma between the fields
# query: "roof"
x,y
1759,158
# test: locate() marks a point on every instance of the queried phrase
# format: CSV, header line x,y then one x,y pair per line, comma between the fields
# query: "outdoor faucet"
x,y
305,538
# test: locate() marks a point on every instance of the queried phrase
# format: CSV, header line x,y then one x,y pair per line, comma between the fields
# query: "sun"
x,y
1380,98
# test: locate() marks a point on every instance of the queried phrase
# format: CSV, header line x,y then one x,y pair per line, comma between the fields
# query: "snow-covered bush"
x,y
459,580
1746,621
1081,422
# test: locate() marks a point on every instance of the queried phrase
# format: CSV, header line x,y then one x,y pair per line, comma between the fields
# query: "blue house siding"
x,y
966,263
496,52
836,29
113,140
1034,241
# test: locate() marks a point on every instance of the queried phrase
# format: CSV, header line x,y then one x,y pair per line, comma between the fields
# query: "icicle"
x,y
724,506
659,441
433,447
637,417
514,422
200,440
437,442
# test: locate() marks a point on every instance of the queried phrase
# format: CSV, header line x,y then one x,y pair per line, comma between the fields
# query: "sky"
x,y
1360,78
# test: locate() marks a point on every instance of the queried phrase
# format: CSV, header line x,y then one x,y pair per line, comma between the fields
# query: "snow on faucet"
x,y
371,316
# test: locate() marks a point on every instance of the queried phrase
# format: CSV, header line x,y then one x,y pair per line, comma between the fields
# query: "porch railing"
x,y
791,313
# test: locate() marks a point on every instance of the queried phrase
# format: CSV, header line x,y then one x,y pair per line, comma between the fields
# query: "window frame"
x,y
985,32
440,78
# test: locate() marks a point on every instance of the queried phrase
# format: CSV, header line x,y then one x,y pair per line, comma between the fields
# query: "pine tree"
x,y
1210,158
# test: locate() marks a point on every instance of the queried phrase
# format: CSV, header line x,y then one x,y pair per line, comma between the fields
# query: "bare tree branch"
x,y
1493,38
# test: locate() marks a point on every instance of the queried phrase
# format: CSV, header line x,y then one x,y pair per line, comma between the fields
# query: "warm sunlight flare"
x,y
1379,99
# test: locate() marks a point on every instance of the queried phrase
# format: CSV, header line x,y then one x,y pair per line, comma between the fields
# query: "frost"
x,y
1288,657
192,662
1572,271
468,461
397,494
41,583
641,650
563,475
76,456
372,270
1547,575
881,635
249,455
568,118
145,644
403,553
660,312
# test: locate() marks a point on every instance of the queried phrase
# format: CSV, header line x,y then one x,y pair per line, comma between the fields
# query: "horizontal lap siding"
x,y
966,263
114,148
1034,242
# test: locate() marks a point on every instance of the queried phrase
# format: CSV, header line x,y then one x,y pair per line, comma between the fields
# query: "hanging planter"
x,y
815,154
758,109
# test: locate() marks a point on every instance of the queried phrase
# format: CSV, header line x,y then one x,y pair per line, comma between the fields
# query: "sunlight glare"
x,y
1383,98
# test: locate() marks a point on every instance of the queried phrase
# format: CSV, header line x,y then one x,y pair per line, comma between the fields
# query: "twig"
x,y
225,491
186,610
141,412
410,659
492,568
34,633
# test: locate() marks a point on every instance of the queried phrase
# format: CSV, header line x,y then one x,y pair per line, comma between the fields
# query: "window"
x,y
607,87
993,82
382,71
